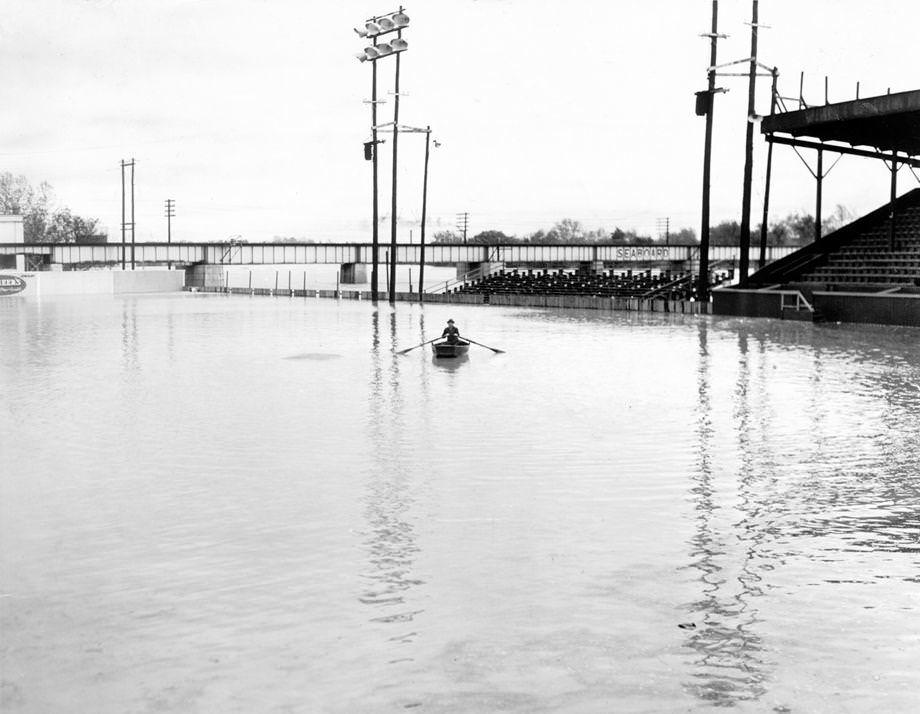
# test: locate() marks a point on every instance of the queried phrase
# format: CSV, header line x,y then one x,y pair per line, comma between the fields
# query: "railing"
x,y
477,274
406,253
668,287
799,302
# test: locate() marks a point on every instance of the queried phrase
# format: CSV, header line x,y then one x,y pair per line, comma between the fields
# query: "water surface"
x,y
235,504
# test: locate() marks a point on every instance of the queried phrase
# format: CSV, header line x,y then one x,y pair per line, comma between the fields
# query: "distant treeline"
x,y
794,229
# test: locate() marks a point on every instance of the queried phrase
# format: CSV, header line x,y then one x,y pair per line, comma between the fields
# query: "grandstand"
x,y
869,270
648,284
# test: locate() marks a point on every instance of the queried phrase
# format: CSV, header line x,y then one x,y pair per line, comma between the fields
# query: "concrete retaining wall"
x,y
100,282
871,308
565,302
876,309
747,303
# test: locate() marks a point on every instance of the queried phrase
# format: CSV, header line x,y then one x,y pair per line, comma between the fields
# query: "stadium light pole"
x,y
374,28
427,132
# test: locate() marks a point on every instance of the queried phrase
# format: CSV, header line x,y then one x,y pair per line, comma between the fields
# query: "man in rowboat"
x,y
451,333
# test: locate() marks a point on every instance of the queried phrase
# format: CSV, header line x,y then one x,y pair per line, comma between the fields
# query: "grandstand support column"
x,y
762,261
894,195
819,178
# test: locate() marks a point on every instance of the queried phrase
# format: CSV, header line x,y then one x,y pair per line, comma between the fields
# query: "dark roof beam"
x,y
802,143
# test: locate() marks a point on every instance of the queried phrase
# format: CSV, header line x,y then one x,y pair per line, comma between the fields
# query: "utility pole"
x,y
421,255
664,228
463,222
709,104
122,214
170,214
133,226
745,237
124,222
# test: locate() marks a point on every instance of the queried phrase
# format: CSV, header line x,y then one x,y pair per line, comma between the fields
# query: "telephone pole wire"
x,y
463,222
124,222
170,214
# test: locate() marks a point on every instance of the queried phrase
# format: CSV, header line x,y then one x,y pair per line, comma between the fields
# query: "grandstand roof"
x,y
890,122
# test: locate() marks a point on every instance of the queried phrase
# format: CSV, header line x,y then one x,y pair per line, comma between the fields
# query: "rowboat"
x,y
446,349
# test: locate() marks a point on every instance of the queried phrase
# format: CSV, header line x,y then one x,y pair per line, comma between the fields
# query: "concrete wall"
x,y
99,282
873,308
147,281
570,302
876,309
747,303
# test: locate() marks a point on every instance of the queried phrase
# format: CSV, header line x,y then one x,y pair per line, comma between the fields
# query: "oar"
x,y
498,352
402,352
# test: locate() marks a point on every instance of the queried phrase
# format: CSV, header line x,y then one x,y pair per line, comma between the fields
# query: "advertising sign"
x,y
11,284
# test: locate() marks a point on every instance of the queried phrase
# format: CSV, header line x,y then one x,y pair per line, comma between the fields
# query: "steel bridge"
x,y
116,255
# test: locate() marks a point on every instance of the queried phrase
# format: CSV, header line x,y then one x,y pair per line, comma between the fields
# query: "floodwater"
x,y
232,504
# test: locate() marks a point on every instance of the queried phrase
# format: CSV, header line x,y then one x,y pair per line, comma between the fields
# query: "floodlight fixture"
x,y
373,28
382,25
384,49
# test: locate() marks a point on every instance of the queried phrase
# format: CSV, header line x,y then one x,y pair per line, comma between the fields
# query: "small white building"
x,y
11,232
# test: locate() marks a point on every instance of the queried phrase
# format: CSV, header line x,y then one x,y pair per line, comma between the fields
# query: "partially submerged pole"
x,y
745,237
392,257
421,257
703,287
375,249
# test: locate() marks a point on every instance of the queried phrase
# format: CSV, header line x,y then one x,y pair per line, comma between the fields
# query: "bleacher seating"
x,y
648,284
870,260
859,257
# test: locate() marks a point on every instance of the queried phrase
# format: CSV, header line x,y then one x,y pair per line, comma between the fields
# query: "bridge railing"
x,y
406,253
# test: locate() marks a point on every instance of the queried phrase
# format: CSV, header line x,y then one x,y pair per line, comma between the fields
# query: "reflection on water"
x,y
729,667
451,363
389,539
804,487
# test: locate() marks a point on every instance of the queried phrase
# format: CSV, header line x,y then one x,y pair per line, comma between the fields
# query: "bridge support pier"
x,y
204,275
464,268
351,273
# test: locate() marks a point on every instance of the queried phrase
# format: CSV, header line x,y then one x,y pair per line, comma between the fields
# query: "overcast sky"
x,y
249,113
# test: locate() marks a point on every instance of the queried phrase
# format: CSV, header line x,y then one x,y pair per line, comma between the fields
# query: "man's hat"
x,y
450,322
